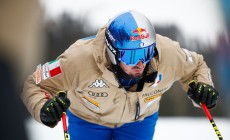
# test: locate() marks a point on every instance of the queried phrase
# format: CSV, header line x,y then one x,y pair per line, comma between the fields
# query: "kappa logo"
x,y
99,84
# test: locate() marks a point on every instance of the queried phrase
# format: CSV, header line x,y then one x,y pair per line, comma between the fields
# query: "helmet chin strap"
x,y
120,73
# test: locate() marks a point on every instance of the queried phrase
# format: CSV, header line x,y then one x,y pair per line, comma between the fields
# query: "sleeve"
x,y
46,81
192,67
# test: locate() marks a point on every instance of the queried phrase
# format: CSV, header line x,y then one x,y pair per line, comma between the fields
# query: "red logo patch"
x,y
141,35
139,30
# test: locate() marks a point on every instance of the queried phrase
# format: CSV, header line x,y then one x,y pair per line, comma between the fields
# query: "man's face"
x,y
133,71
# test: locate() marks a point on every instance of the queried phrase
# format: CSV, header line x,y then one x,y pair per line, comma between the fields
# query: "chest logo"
x,y
93,104
151,98
98,94
99,84
157,80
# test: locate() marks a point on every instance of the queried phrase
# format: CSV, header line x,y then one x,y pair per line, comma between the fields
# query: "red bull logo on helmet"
x,y
139,30
142,34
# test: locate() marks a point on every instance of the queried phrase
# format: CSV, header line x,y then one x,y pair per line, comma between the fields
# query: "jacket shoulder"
x,y
77,54
169,50
165,42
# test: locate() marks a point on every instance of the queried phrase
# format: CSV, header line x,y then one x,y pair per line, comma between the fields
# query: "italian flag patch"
x,y
54,68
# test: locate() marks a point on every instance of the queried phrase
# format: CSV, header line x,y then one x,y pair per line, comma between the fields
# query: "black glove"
x,y
51,112
203,93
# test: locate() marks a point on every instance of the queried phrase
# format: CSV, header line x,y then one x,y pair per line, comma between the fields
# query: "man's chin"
x,y
136,75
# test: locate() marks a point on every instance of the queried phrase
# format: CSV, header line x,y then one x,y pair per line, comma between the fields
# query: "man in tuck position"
x,y
115,81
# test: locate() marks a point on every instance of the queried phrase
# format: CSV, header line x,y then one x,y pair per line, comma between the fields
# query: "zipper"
x,y
137,110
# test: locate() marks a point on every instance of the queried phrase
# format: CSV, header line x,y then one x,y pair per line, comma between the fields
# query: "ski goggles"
x,y
132,57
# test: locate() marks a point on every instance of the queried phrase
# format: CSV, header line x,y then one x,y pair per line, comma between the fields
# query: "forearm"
x,y
198,71
34,97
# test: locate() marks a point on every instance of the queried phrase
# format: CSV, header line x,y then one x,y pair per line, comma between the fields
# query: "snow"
x,y
168,128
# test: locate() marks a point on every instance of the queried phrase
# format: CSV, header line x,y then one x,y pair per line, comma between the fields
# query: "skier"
x,y
115,81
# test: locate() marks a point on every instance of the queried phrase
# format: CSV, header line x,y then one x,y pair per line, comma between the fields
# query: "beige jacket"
x,y
94,91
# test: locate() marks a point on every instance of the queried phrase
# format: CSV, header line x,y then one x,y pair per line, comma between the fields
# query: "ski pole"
x,y
66,135
209,116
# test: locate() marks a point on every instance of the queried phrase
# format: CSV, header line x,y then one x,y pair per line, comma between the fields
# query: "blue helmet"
x,y
130,38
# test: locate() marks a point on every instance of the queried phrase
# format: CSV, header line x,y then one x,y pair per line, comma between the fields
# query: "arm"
x,y
193,67
196,79
40,87
187,66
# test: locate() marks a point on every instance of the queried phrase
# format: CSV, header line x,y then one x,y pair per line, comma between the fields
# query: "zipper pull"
x,y
137,110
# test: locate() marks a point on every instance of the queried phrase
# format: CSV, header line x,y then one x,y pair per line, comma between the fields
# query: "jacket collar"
x,y
99,53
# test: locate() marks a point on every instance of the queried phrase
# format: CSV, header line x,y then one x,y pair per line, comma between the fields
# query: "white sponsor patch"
x,y
91,103
153,101
151,98
38,74
45,70
210,77
99,84
188,55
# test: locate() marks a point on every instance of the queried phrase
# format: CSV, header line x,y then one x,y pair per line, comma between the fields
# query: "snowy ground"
x,y
168,128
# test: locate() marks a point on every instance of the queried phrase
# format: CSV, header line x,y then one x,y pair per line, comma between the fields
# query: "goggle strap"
x,y
109,44
111,48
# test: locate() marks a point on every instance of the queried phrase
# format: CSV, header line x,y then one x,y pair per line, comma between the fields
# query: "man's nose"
x,y
140,64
